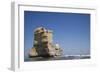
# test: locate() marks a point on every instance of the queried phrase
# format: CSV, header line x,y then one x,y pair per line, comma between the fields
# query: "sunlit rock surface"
x,y
43,44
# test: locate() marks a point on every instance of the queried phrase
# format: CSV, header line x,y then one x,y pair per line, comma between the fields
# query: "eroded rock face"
x,y
33,52
43,44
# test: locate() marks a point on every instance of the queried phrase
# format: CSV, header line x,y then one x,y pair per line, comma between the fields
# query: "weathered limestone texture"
x,y
43,44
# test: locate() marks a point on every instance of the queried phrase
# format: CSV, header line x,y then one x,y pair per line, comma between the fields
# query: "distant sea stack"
x,y
43,44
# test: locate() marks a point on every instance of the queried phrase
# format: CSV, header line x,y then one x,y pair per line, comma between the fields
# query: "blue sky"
x,y
71,30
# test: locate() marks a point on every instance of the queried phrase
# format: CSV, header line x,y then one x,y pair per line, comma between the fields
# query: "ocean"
x,y
56,58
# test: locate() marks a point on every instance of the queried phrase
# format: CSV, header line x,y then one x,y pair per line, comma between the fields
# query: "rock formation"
x,y
43,44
